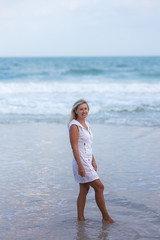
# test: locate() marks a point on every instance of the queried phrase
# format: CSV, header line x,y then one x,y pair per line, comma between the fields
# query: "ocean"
x,y
120,90
37,188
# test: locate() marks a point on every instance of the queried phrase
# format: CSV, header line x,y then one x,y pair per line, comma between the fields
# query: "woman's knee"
x,y
98,186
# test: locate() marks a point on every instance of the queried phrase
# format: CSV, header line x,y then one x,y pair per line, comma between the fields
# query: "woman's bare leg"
x,y
81,200
99,188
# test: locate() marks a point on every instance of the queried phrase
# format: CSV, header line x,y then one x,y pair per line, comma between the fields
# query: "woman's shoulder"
x,y
74,122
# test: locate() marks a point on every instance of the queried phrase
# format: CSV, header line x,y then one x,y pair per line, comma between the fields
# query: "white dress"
x,y
85,152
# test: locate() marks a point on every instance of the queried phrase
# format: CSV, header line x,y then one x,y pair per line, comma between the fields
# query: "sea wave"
x,y
115,103
40,87
82,71
119,90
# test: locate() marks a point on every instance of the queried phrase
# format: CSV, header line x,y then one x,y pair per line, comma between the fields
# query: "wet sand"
x,y
38,192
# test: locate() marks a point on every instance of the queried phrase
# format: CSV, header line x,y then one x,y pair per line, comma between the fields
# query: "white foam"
x,y
70,87
109,102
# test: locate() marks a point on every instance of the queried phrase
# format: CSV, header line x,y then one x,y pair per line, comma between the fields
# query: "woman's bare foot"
x,y
81,219
108,220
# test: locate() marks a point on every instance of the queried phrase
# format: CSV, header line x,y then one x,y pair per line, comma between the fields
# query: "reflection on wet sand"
x,y
90,229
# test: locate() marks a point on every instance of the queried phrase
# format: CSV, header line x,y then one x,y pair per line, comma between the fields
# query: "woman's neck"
x,y
82,121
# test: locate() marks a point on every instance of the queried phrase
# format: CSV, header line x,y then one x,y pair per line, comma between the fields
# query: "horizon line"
x,y
79,56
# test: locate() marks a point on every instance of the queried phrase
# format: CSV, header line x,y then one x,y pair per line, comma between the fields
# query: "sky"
x,y
79,28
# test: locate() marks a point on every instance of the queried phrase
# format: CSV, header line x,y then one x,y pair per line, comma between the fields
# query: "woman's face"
x,y
82,111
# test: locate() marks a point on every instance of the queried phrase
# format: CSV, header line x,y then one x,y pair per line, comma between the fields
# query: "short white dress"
x,y
85,152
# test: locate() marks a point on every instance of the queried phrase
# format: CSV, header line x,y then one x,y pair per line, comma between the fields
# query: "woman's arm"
x,y
94,163
74,134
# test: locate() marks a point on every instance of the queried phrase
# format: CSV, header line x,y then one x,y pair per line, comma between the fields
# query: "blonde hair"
x,y
74,108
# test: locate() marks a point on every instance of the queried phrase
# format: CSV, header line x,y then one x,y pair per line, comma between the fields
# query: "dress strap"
x,y
75,122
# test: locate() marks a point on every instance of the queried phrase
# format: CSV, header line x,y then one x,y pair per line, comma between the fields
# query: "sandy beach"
x,y
38,192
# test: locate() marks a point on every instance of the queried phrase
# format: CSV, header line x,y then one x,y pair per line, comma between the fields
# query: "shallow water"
x,y
38,193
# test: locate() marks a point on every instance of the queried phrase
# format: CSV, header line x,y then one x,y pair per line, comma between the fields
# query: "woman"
x,y
84,164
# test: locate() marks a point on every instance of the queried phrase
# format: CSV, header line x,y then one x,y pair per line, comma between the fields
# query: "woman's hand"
x,y
94,166
94,163
81,171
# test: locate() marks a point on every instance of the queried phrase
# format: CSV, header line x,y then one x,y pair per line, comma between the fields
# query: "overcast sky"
x,y
79,27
